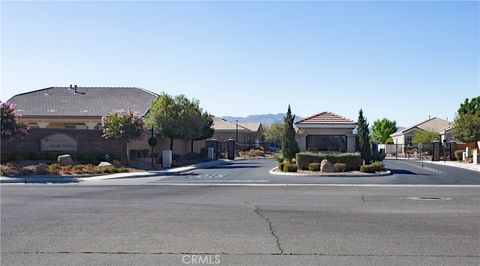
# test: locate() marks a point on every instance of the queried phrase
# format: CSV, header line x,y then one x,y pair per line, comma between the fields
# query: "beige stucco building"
x,y
327,132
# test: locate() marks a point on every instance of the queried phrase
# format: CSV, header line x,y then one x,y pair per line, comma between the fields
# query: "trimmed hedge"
x,y
52,156
314,167
352,160
290,167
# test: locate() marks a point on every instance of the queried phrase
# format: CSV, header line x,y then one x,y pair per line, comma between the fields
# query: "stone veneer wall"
x,y
88,142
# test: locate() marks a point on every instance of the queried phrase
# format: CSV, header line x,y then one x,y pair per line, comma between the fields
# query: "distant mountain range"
x,y
268,119
263,118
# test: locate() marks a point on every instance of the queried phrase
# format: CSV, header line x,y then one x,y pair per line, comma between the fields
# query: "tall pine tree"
x,y
363,143
289,143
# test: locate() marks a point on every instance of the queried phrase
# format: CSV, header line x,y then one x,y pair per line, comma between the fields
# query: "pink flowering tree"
x,y
11,126
123,125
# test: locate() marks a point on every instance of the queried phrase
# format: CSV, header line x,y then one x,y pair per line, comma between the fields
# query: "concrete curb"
x,y
81,178
273,172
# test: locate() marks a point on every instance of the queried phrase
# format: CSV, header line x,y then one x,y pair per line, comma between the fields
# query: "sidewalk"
x,y
76,179
469,166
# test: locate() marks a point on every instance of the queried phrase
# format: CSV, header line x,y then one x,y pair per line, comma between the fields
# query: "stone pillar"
x,y
231,149
475,156
453,148
437,145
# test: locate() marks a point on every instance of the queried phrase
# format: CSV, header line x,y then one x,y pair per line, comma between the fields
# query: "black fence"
x,y
421,151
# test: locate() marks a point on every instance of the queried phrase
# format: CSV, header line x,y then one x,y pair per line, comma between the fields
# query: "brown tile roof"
x,y
434,124
251,126
326,118
221,124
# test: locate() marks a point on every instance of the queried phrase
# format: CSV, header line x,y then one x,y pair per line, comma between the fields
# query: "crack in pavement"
x,y
270,227
240,254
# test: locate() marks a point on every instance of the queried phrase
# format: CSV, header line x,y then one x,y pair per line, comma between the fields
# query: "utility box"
x,y
211,153
167,159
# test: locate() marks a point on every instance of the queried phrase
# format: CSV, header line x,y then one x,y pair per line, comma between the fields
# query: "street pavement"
x,y
426,215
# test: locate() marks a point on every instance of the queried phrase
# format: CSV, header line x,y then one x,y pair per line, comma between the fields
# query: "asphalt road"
x,y
153,224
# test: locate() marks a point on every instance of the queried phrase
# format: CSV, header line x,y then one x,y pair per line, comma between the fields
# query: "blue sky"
x,y
401,60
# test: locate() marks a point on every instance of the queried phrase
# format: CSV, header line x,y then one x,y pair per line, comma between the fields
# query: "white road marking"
x,y
225,183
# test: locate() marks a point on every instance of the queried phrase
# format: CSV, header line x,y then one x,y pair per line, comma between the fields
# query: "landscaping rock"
x,y
64,160
326,166
102,164
40,169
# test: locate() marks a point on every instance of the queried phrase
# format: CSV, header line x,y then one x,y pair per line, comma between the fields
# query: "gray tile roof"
x,y
88,101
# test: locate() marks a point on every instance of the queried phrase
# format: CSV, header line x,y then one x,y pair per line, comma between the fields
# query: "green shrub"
x,y
340,166
281,166
54,169
368,168
352,160
52,156
379,166
279,158
314,167
122,170
459,155
290,167
77,169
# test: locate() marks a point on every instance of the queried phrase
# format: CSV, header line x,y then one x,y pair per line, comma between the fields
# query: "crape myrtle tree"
x,y
124,125
289,143
382,129
10,124
363,143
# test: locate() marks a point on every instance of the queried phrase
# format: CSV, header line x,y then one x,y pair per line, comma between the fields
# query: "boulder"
x,y
64,160
40,169
327,166
102,164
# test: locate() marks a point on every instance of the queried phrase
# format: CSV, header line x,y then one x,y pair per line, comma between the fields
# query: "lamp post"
x,y
236,133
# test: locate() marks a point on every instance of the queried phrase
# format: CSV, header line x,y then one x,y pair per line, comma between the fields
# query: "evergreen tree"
x,y
363,143
289,143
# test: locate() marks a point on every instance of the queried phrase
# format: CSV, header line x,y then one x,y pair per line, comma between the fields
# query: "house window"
x,y
336,143
74,126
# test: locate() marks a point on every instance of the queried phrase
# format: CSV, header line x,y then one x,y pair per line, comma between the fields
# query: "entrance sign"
x,y
58,142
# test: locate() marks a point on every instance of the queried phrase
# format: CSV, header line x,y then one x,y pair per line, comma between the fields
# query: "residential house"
x,y
435,124
78,107
327,132
64,111
247,135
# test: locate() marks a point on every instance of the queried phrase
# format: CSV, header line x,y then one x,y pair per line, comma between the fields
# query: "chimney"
x,y
428,115
71,86
75,88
